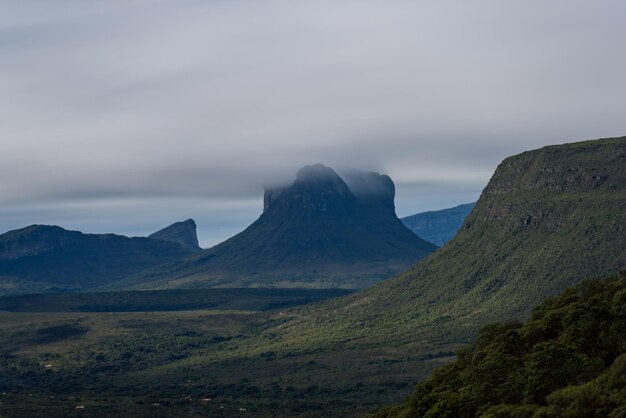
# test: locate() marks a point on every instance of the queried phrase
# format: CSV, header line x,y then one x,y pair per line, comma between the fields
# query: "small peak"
x,y
183,233
314,183
315,173
370,187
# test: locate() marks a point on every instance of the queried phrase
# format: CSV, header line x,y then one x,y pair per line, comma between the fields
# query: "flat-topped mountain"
x,y
438,226
321,231
42,258
547,219
183,233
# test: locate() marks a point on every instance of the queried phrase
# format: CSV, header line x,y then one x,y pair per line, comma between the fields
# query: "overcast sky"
x,y
124,116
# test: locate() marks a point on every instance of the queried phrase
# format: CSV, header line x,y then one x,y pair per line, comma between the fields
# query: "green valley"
x,y
547,220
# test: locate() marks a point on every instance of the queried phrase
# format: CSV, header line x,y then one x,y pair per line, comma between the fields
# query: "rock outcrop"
x,y
183,233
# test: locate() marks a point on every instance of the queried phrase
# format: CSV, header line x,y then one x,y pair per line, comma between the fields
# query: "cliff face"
x,y
183,233
580,167
317,232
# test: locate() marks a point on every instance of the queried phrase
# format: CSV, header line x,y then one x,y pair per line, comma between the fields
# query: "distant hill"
x,y
438,226
43,258
317,232
183,233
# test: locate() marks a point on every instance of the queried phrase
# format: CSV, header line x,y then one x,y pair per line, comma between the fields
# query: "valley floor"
x,y
170,363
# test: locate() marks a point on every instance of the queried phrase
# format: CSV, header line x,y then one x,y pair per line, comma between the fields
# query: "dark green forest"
x,y
568,360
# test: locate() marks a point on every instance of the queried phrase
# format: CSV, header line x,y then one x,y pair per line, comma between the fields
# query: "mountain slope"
x,y
183,233
317,232
438,226
547,218
42,258
569,359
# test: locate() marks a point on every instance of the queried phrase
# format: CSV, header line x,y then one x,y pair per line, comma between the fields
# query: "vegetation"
x,y
124,363
547,219
568,360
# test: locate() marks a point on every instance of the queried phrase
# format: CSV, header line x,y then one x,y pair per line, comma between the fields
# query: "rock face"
x,y
438,226
183,233
321,231
42,258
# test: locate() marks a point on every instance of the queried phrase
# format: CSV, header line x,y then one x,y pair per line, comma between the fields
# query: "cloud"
x,y
159,105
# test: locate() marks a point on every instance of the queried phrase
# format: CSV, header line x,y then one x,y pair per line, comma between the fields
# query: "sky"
x,y
125,116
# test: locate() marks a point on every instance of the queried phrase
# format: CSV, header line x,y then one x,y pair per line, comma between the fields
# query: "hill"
x,y
183,233
320,231
43,258
569,360
438,226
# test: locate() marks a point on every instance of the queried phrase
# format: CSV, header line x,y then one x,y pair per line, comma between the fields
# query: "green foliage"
x,y
568,360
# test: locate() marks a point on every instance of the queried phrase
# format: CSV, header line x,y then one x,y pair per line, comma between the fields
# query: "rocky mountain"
x,y
183,233
321,231
43,258
548,219
438,226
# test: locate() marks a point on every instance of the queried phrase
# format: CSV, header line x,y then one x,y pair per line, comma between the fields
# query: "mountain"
x,y
568,360
183,233
42,258
547,219
317,232
438,226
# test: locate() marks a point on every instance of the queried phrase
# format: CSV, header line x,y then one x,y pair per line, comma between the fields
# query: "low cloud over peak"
x,y
179,102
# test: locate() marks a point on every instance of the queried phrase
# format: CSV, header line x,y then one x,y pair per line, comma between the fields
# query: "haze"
x,y
125,116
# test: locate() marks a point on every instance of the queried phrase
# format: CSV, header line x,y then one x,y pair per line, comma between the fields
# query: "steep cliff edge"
x,y
183,233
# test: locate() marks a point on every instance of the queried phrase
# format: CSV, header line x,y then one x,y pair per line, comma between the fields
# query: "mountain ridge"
x,y
314,233
438,226
42,258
